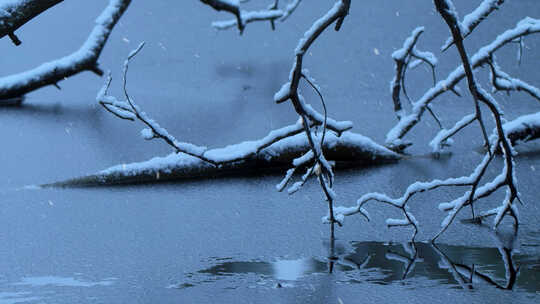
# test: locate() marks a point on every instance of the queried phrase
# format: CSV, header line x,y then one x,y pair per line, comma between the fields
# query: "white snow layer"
x,y
236,152
523,123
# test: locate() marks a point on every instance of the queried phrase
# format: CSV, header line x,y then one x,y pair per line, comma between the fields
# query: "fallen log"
x,y
523,128
349,149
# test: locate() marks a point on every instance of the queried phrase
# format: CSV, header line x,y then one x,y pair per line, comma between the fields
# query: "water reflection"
x,y
62,282
287,270
17,297
413,265
47,289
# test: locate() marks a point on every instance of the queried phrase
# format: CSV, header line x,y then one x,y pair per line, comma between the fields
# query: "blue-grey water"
x,y
237,240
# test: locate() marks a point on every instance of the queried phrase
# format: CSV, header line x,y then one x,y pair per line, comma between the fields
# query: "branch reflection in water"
x,y
413,265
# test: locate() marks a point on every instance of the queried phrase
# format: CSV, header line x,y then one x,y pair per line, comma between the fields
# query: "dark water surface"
x,y
416,266
237,240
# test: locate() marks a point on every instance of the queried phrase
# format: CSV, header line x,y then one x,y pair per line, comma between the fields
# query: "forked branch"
x,y
84,59
271,14
128,110
290,91
447,11
525,27
498,140
402,59
472,20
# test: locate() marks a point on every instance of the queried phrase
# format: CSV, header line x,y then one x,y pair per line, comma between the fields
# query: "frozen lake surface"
x,y
237,240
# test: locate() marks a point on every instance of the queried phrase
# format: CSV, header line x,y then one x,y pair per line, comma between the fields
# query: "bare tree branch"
x,y
504,82
525,27
229,157
15,13
498,140
524,128
271,14
290,91
133,111
447,11
402,59
231,6
449,14
84,59
472,20
443,137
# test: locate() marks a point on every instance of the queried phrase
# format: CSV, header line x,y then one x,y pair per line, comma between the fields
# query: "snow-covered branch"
x,y
290,91
447,11
498,140
525,27
472,20
231,6
271,14
501,81
401,203
84,59
402,57
415,188
15,13
280,147
522,129
443,137
129,110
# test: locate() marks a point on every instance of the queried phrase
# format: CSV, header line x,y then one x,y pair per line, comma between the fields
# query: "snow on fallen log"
x,y
350,149
523,128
